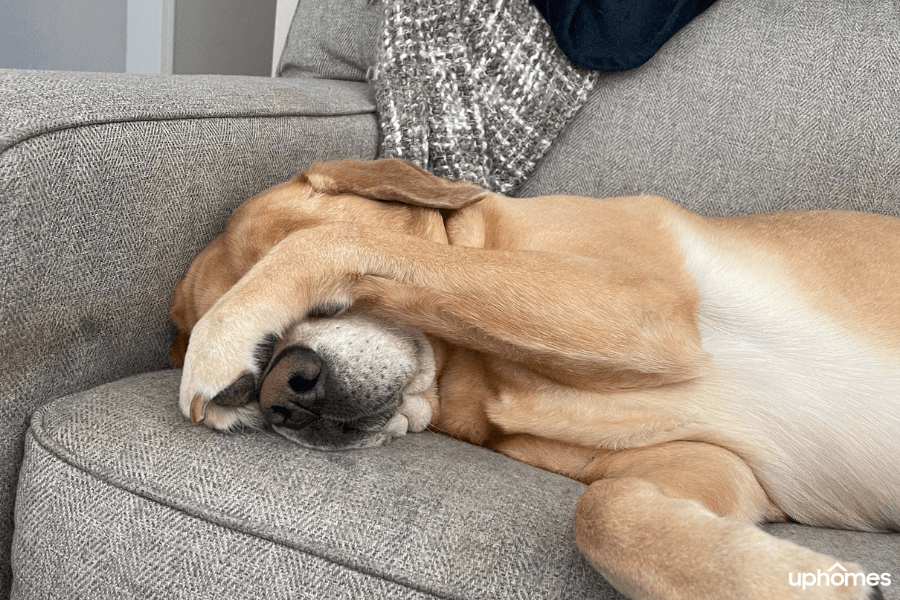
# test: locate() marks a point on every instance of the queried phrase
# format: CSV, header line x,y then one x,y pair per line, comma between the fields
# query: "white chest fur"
x,y
818,406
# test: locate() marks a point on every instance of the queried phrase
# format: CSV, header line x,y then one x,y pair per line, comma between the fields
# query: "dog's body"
x,y
701,374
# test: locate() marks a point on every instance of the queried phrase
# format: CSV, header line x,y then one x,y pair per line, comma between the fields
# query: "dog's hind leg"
x,y
675,521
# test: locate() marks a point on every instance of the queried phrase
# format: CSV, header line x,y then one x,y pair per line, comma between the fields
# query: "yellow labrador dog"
x,y
700,374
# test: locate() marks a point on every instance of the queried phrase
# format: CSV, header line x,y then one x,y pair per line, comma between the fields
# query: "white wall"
x,y
283,15
225,37
150,31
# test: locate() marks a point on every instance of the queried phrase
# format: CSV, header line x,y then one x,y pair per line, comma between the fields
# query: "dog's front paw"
x,y
416,410
222,371
413,415
420,396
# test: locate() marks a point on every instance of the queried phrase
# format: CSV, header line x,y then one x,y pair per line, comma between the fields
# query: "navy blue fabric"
x,y
616,35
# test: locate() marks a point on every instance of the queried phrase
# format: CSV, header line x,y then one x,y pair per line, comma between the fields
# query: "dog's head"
x,y
345,381
341,378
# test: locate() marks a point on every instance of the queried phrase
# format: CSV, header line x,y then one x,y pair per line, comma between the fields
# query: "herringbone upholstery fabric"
x,y
109,186
36,102
752,107
121,497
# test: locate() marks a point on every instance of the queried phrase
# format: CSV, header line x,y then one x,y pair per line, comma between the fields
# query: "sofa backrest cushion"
x,y
333,39
752,107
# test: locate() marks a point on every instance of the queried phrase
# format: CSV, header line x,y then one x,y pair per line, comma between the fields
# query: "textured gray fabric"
x,y
752,107
336,39
473,90
36,102
120,493
94,541
104,203
874,552
120,497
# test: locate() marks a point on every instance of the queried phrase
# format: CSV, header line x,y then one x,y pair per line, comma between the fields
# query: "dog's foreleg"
x,y
568,317
675,521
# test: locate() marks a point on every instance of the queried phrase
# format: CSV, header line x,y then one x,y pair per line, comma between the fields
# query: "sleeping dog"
x,y
699,374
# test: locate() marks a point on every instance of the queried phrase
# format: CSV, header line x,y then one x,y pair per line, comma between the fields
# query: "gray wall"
x,y
228,37
68,35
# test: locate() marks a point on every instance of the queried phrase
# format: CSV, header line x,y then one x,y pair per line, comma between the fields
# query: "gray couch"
x,y
110,185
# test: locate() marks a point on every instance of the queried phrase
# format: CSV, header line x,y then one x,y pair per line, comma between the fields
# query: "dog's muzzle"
x,y
306,397
348,381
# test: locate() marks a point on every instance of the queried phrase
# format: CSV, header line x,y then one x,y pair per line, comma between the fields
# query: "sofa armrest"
x,y
110,184
34,103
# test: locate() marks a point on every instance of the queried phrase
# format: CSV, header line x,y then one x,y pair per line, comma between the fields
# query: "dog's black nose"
x,y
294,388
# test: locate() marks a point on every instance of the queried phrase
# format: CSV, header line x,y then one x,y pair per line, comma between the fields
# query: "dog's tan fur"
x,y
700,374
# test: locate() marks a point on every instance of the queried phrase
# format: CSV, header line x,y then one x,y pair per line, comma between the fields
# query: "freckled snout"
x,y
350,381
313,399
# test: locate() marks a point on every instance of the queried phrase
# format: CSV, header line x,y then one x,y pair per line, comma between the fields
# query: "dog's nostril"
x,y
305,371
302,383
289,391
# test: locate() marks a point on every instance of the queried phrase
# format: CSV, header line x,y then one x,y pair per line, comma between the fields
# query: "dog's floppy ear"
x,y
392,179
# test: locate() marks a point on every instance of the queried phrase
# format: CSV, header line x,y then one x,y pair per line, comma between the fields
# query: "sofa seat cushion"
x,y
120,497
